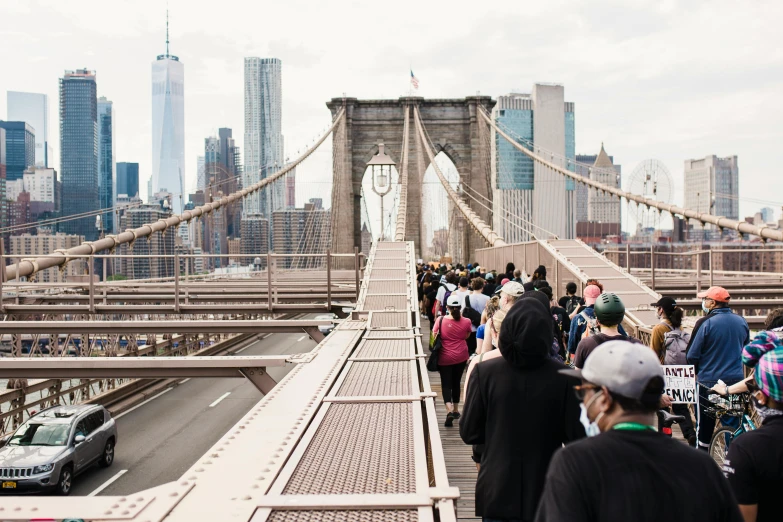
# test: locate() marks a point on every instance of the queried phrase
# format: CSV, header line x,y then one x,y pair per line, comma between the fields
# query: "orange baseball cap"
x,y
716,293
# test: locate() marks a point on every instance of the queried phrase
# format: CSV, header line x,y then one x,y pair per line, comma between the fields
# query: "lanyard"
x,y
632,426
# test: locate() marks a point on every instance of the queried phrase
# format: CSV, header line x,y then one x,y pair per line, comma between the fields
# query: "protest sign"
x,y
680,383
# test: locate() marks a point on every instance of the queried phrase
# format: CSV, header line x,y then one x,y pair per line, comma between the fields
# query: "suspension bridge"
x,y
347,425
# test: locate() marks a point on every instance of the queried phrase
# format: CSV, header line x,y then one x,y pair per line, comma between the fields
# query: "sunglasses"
x,y
581,390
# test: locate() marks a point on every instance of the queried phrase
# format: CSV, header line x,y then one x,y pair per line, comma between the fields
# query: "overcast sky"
x,y
651,79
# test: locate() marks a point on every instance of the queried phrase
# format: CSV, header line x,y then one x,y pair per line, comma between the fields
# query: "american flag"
x,y
414,81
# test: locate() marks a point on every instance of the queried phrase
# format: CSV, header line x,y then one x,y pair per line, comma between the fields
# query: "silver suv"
x,y
50,448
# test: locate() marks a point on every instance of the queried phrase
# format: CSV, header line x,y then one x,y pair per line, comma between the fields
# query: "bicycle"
x,y
736,409
667,420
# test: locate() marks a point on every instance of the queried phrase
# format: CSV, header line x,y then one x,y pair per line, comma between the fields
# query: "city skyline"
x,y
643,97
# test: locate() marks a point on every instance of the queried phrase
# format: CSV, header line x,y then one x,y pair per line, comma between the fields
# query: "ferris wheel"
x,y
651,180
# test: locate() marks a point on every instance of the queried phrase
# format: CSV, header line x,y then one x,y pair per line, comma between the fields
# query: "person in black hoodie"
x,y
506,398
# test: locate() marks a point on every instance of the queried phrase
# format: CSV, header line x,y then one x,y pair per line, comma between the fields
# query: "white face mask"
x,y
494,342
591,428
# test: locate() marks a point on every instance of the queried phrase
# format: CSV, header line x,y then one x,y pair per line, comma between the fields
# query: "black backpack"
x,y
572,304
471,313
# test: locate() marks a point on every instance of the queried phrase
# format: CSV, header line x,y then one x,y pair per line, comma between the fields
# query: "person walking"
x,y
716,353
570,302
538,273
448,284
609,312
523,410
626,470
754,464
508,294
489,285
668,342
454,331
495,325
477,301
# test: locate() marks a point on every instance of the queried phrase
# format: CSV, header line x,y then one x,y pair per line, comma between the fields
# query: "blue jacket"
x,y
716,349
578,325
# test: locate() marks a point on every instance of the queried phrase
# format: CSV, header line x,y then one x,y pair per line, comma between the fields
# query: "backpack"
x,y
675,341
471,313
445,300
591,325
554,352
572,304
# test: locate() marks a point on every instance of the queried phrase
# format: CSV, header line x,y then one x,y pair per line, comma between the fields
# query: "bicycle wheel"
x,y
719,445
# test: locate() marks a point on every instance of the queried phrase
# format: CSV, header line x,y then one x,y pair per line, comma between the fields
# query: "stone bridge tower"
x,y
453,126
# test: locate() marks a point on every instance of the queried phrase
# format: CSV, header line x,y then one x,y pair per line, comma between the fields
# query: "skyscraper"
x,y
168,124
524,192
33,108
712,186
263,133
599,207
79,150
106,161
127,179
2,179
19,147
231,169
201,175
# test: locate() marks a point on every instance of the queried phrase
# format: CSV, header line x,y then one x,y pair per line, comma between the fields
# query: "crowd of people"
x,y
560,401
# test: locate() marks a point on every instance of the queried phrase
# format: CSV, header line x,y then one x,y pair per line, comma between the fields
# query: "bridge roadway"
x,y
351,431
165,435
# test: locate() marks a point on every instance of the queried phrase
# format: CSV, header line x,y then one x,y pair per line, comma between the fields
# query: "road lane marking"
x,y
108,482
186,380
301,338
142,404
219,399
265,336
243,349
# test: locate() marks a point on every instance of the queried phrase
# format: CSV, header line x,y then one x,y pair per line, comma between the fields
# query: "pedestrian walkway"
x,y
459,466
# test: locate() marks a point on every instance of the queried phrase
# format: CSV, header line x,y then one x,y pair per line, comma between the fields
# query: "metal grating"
x,y
391,254
392,246
378,379
358,448
384,302
387,287
385,334
389,319
390,263
396,515
380,273
401,348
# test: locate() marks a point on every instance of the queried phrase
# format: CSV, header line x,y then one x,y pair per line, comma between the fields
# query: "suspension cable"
x,y
721,222
402,206
489,235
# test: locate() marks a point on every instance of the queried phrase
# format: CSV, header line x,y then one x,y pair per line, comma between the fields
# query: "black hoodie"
x,y
523,410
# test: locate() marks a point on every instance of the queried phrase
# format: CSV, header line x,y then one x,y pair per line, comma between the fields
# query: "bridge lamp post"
x,y
380,170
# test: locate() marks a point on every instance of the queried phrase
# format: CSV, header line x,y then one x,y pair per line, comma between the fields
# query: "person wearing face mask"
x,y
715,349
626,470
523,410
754,464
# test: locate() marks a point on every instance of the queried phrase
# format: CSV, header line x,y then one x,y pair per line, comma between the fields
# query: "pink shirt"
x,y
453,338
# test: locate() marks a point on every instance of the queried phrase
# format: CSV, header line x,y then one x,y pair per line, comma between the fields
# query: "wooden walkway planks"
x,y
460,467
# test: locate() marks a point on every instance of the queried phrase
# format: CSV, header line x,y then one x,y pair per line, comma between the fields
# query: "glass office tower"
x,y
106,160
79,150
19,148
168,126
33,108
